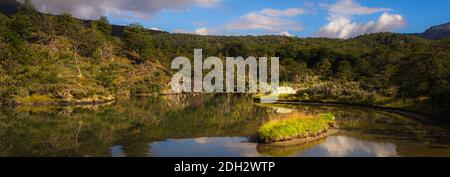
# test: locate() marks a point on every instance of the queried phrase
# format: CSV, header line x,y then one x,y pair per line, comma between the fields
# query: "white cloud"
x,y
198,31
266,21
156,29
349,7
286,33
341,26
201,31
89,9
269,20
290,12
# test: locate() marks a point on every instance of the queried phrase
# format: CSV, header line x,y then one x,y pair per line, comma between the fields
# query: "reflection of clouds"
x,y
244,149
335,146
347,146
116,151
205,147
235,145
203,140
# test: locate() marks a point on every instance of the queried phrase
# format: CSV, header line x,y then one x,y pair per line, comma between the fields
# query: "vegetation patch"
x,y
296,126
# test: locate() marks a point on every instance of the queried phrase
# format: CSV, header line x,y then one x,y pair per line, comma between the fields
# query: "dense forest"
x,y
46,58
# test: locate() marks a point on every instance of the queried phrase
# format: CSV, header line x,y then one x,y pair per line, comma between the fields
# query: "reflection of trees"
x,y
286,151
222,115
130,124
131,141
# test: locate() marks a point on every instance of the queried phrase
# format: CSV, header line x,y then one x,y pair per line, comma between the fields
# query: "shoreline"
x,y
422,116
61,103
297,141
416,115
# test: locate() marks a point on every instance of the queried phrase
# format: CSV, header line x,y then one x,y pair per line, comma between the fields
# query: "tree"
x,y
138,41
66,25
4,24
102,24
49,26
362,67
4,32
95,44
23,25
27,8
235,49
74,31
345,71
324,68
9,36
26,21
75,48
426,72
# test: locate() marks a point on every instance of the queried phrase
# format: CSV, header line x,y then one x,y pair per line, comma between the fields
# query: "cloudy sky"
x,y
303,18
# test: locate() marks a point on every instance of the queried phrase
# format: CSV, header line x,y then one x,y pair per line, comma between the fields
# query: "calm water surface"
x,y
206,126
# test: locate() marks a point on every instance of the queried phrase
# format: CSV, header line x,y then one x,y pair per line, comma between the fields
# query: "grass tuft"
x,y
295,126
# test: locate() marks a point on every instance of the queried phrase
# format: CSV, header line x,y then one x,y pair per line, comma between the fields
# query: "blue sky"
x,y
304,18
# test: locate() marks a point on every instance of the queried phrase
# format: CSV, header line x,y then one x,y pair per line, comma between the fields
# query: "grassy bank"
x,y
295,126
40,100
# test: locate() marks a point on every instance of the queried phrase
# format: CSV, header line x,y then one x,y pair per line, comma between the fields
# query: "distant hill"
x,y
436,32
9,7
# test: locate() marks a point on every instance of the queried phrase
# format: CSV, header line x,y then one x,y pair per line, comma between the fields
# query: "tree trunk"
x,y
75,56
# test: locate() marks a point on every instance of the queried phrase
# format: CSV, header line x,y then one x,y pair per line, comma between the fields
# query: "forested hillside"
x,y
48,58
61,59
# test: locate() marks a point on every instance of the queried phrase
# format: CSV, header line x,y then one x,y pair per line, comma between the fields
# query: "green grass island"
x,y
297,128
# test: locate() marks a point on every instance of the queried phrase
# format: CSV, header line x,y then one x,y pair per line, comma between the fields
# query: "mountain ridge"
x,y
9,7
436,32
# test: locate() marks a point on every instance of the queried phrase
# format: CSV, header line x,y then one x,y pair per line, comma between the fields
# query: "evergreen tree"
x,y
324,68
345,71
138,41
102,24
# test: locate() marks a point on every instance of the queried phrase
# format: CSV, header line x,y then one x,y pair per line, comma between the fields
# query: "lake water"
x,y
207,126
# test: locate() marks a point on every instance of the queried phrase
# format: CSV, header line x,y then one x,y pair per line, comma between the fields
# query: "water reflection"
x,y
116,151
333,146
344,146
205,125
210,147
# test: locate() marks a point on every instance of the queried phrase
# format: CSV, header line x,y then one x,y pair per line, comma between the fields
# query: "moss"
x,y
295,126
